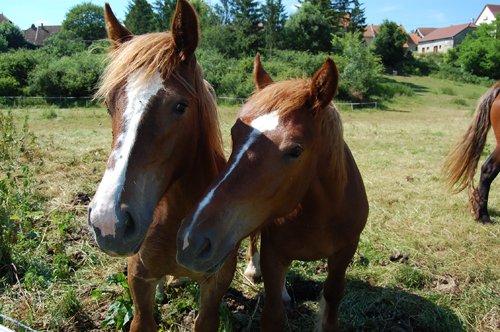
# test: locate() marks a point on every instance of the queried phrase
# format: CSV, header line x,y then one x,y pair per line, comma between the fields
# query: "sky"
x,y
411,14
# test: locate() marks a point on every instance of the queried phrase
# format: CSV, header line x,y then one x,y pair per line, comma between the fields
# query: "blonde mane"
x,y
290,95
155,52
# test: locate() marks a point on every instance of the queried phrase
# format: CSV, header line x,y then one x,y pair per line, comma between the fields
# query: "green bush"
x,y
74,76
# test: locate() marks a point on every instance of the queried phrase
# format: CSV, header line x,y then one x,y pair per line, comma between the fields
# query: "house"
x,y
412,43
440,40
371,31
3,18
488,14
422,32
36,36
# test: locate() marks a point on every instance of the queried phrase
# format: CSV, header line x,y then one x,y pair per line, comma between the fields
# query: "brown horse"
x,y
461,164
167,149
291,176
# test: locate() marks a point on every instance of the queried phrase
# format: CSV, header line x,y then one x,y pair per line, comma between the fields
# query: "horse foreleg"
x,y
252,272
273,317
142,288
489,172
333,288
211,292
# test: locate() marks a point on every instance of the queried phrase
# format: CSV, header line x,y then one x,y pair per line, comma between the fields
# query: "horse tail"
x,y
461,164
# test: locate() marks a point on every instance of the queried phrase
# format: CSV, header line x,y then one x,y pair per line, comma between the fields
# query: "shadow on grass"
x,y
372,308
363,308
417,88
494,214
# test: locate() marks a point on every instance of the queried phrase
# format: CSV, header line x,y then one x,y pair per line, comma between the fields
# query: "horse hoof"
x,y
484,220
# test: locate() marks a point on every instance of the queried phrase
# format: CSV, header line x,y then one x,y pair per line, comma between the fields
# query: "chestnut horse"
x,y
167,149
461,164
291,176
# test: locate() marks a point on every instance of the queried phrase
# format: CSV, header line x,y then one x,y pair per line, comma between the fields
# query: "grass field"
x,y
447,280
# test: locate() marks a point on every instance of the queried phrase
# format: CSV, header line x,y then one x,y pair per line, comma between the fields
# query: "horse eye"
x,y
180,108
294,153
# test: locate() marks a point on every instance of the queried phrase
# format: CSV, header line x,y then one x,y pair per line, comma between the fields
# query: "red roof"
x,y
448,32
3,18
425,31
413,38
370,31
36,35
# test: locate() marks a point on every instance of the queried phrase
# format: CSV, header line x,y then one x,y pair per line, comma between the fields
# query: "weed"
x,y
121,311
411,277
49,114
459,101
71,304
446,90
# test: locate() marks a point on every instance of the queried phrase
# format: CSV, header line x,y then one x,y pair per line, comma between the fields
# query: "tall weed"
x,y
18,204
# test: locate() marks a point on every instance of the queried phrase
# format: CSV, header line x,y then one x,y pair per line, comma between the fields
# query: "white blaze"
x,y
108,194
263,123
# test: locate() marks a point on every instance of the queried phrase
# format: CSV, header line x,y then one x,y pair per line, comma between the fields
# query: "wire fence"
x,y
24,101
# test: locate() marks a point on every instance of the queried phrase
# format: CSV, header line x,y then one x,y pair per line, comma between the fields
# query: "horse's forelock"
x,y
290,95
155,52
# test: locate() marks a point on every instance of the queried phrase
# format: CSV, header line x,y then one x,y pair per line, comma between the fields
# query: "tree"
x,y
140,17
64,43
10,37
308,30
163,13
206,16
224,11
362,71
247,16
86,21
274,17
357,19
388,44
479,53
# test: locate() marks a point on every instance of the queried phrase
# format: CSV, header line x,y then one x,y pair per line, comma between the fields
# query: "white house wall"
x,y
442,46
486,17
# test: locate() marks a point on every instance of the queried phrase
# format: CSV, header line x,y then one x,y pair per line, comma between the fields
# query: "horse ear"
x,y
116,32
185,29
324,86
260,76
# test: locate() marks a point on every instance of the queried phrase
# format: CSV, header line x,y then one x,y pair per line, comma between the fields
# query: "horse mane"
x,y
155,52
290,95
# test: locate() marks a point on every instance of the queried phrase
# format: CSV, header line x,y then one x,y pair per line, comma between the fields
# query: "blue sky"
x,y
411,14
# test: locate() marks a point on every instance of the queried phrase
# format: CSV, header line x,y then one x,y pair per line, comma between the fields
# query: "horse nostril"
x,y
130,228
205,251
88,218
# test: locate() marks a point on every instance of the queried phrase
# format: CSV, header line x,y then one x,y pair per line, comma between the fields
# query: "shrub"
x,y
446,90
75,76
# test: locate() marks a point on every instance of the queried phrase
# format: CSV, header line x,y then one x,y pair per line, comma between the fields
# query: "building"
x,y
488,14
422,32
412,43
36,36
371,31
3,18
440,40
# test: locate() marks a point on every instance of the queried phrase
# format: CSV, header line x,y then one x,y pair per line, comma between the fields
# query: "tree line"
x,y
71,62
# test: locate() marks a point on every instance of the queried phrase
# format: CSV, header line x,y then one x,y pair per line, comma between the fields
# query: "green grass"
x,y
450,281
